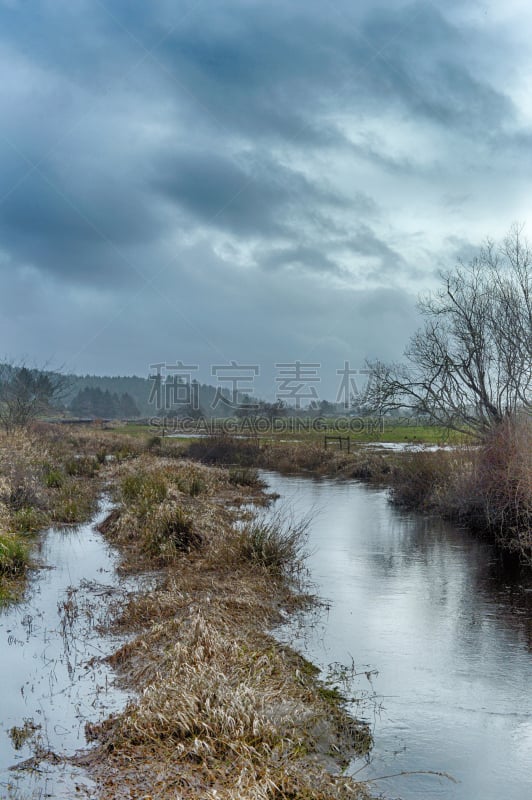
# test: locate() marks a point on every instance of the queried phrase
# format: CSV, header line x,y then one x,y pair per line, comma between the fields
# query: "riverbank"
x,y
48,476
288,458
446,625
221,709
486,488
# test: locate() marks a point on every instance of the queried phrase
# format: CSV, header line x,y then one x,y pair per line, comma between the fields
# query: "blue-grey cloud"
x,y
257,197
238,161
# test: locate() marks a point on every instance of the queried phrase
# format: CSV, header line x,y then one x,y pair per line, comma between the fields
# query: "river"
x,y
419,602
426,606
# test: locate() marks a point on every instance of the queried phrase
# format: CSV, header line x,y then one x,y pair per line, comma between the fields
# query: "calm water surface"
x,y
419,601
50,662
425,605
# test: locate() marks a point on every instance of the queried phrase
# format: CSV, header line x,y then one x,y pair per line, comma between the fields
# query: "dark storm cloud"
x,y
292,152
245,198
279,70
77,225
303,256
366,243
423,64
362,242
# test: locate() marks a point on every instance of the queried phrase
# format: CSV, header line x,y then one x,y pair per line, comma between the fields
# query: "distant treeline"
x,y
103,404
167,402
133,396
138,389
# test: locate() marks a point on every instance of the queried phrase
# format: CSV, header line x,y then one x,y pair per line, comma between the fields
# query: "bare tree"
x,y
470,366
27,393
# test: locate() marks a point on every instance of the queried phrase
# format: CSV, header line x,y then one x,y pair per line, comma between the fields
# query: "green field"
x,y
308,430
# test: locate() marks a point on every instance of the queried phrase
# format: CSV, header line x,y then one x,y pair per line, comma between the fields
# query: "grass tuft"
x,y
274,543
245,476
29,520
167,531
14,555
53,478
143,489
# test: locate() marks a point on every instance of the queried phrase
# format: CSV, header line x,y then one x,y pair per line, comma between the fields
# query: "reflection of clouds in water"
x,y
522,739
46,644
427,605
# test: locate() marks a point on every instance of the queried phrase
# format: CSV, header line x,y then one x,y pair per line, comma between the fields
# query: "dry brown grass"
x,y
501,485
313,459
49,475
167,508
428,480
310,458
223,711
488,488
241,716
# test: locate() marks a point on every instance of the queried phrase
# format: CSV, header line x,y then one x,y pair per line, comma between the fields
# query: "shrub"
x,y
419,479
489,488
224,450
502,484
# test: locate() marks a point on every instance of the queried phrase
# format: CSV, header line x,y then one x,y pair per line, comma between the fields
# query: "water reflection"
x,y
427,605
53,676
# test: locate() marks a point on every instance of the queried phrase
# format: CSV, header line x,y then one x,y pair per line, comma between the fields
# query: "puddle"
x,y
412,447
52,678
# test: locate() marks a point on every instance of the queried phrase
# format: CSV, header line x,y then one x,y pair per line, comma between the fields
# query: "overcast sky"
x,y
250,181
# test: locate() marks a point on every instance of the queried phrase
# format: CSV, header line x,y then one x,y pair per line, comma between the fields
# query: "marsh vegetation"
x,y
218,705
